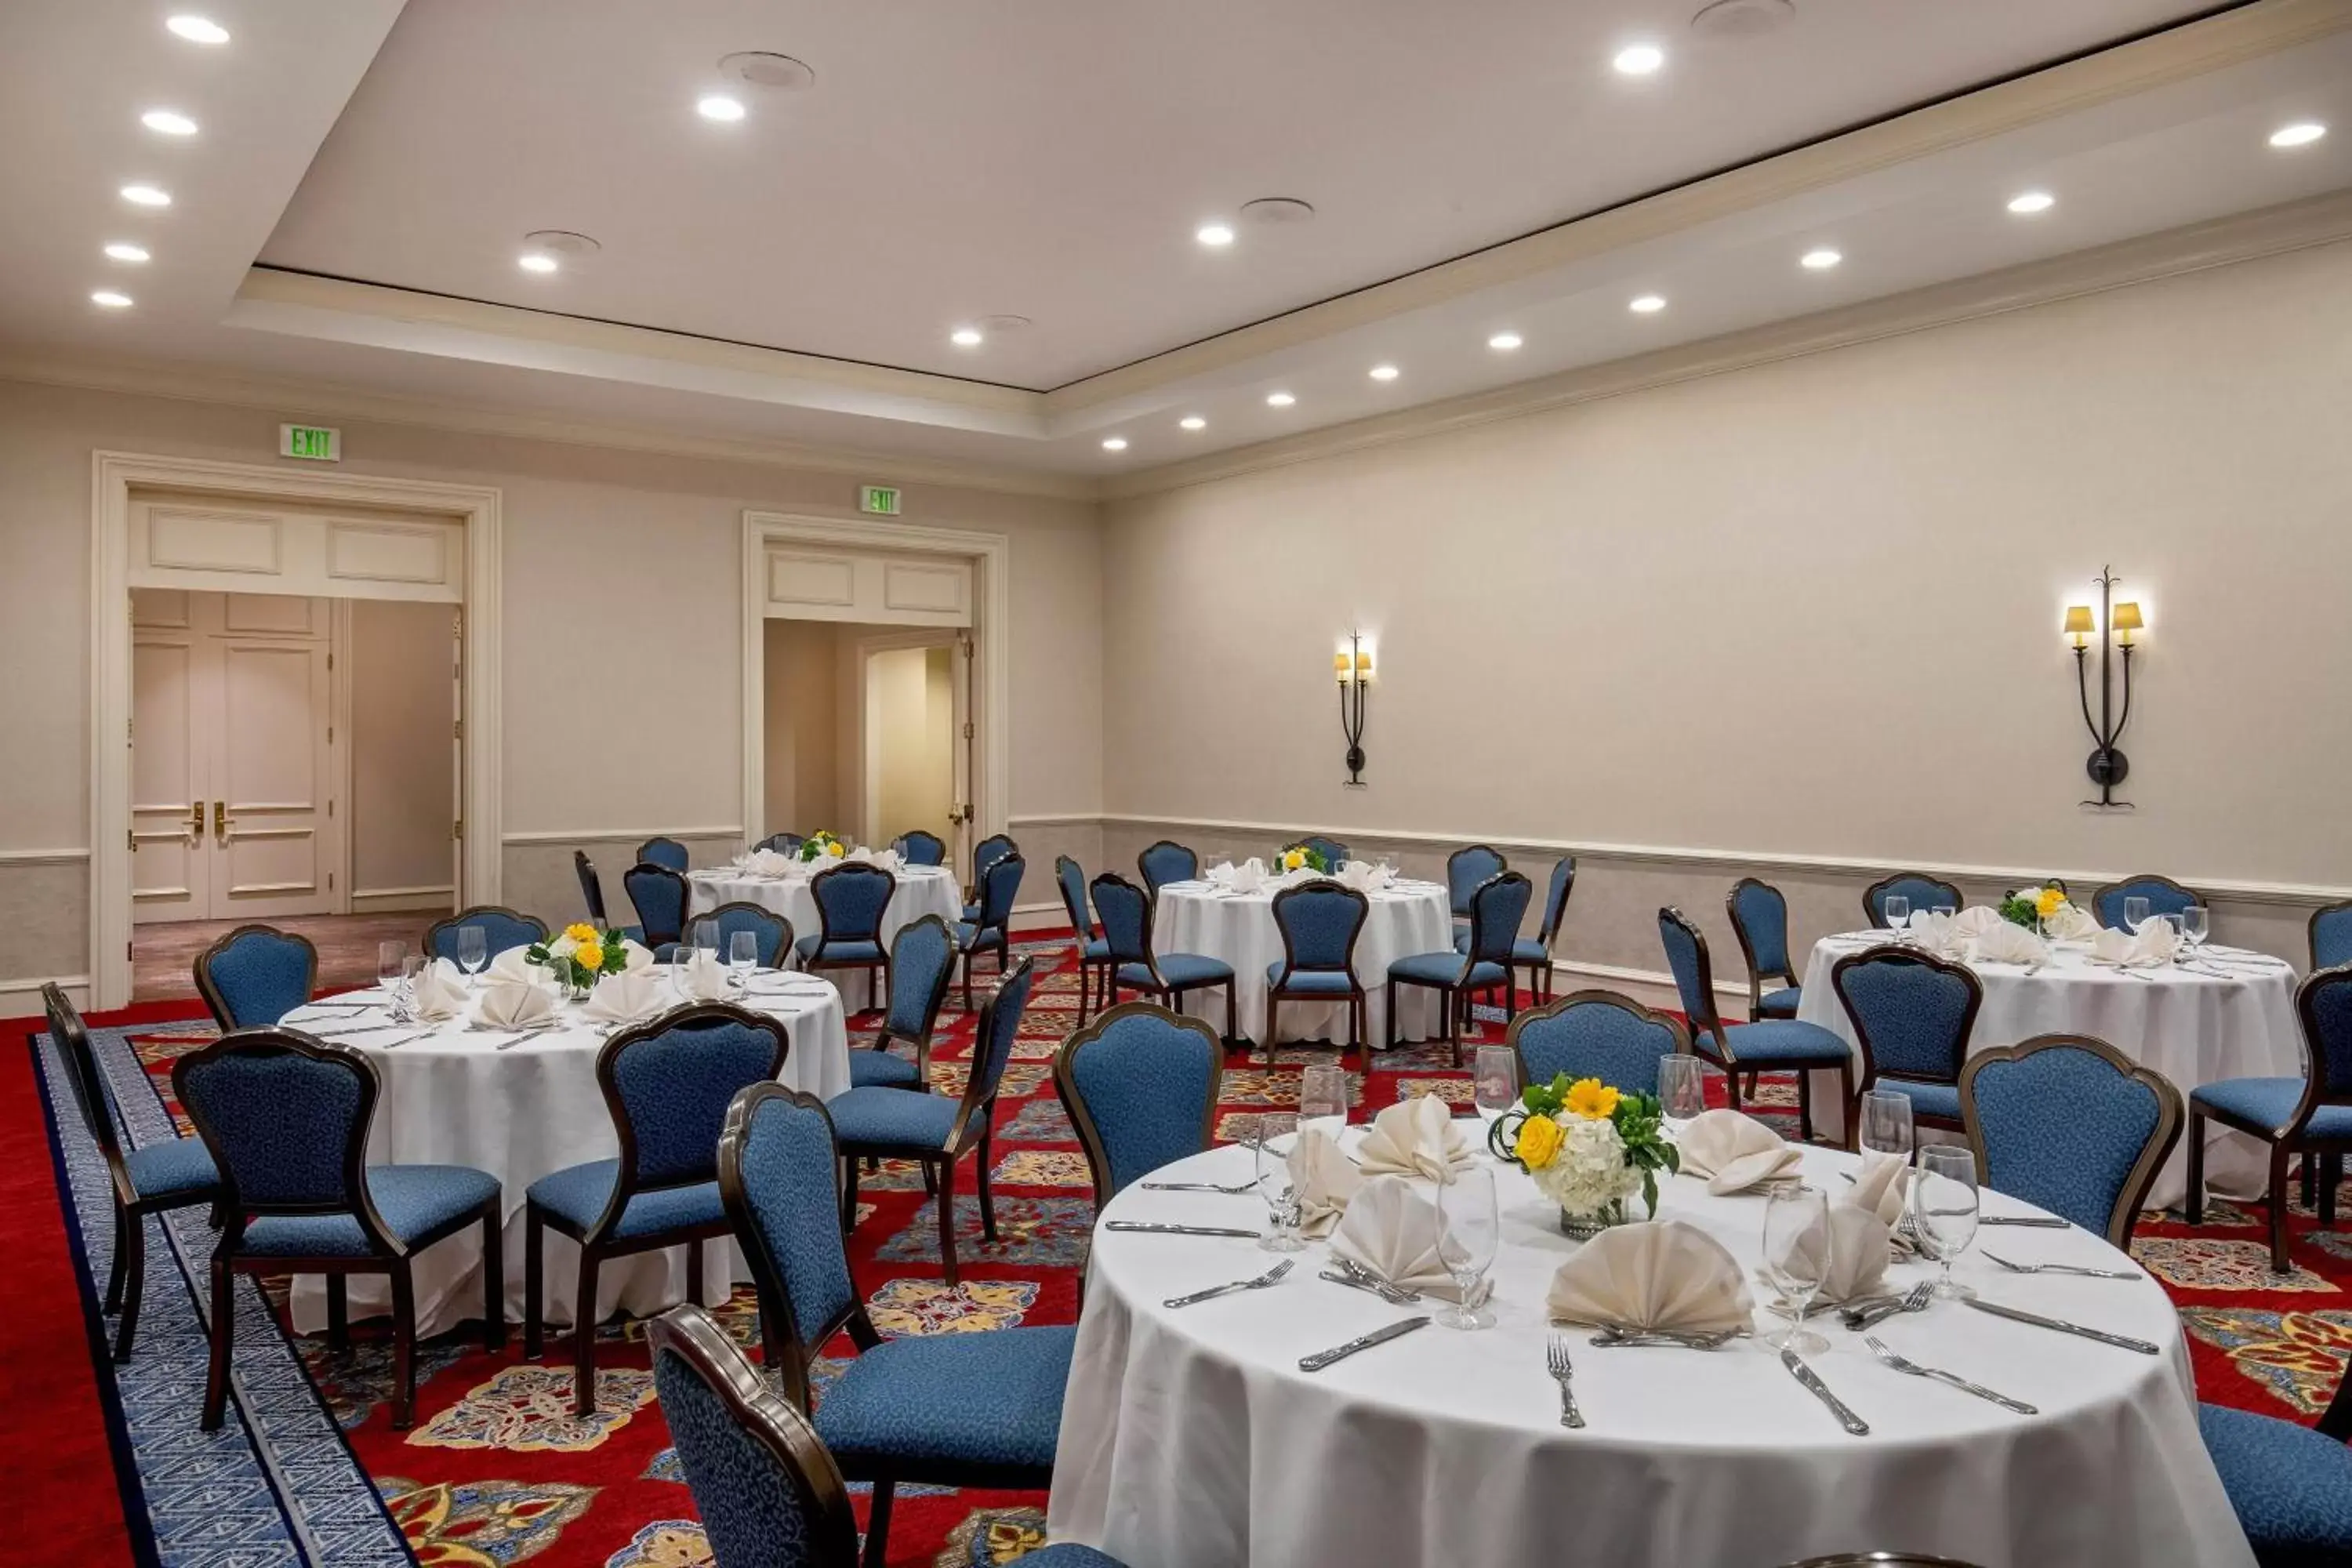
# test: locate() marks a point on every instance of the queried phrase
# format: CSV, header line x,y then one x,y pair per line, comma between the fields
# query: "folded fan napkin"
x,y
1937,933
619,998
635,955
1393,1230
1365,876
2007,942
1246,877
440,991
1881,1187
702,977
2156,944
1322,1181
1414,1136
2070,923
1847,1252
1735,1153
769,863
1977,919
1659,1274
506,1004
514,968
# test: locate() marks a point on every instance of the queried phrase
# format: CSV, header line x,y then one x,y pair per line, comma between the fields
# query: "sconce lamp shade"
x,y
1340,667
1363,667
2126,616
2078,621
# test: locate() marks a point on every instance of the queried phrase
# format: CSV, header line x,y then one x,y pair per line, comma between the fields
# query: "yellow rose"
x,y
581,931
1539,1142
2049,903
1591,1099
834,848
1292,859
588,955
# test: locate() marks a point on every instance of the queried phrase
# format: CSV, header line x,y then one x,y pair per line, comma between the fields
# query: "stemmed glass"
x,y
1897,910
388,955
2135,913
2196,925
743,957
1682,1090
473,950
706,938
1886,1123
1469,1231
1944,1201
681,959
1796,1259
1496,1087
1281,1199
1323,1098
404,995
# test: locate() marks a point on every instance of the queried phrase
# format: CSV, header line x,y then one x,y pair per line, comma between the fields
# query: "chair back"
x,y
1141,1085
89,1089
1882,1560
992,1050
1334,853
1760,919
1694,973
2331,935
850,899
502,929
256,975
999,886
661,897
773,930
1497,911
664,851
922,958
782,843
2071,1125
1126,913
1465,870
1165,862
667,1082
2323,1004
286,1119
768,1494
1923,891
591,888
1320,921
2164,896
1071,878
1555,908
1912,1012
917,847
988,852
780,1179
1595,1033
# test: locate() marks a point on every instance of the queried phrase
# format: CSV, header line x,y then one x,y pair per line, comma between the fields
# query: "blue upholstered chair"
x,y
503,930
665,852
2311,1115
1760,919
2331,935
923,960
1767,1045
1533,953
990,930
661,897
667,1082
958,1410
1165,862
984,854
1334,853
1094,951
592,887
2071,1124
2290,1485
1140,1086
1911,1015
1467,870
1496,910
935,1132
165,1175
256,975
1319,923
772,930
782,843
1925,892
1126,911
2164,896
851,897
285,1117
917,847
1595,1033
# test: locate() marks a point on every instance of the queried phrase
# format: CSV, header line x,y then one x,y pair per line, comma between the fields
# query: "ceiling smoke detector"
x,y
1742,18
1269,211
560,242
767,70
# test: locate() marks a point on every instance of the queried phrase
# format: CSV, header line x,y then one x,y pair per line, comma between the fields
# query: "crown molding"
x,y
2223,242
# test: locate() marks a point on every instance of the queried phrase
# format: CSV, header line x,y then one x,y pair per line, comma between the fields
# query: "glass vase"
x,y
1585,1226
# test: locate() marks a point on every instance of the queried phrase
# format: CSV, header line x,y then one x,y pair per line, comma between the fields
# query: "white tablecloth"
x,y
2192,1027
1414,916
1191,1439
454,1099
921,890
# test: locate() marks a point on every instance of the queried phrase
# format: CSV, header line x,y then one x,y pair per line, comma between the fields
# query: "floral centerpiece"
x,y
823,847
2029,907
579,956
1589,1147
1302,858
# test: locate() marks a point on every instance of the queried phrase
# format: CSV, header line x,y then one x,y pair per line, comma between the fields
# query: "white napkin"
x,y
1735,1153
769,863
1977,919
2072,923
440,991
1860,1244
508,1005
1414,1136
1932,932
1365,876
703,978
1881,1187
1246,877
2156,944
512,968
1322,1181
1393,1231
1660,1273
2004,941
628,994
635,955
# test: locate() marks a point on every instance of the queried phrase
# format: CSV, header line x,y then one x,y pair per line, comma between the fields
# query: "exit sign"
x,y
880,500
313,443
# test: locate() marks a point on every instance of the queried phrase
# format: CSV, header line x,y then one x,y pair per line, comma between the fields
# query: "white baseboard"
x,y
22,998
399,900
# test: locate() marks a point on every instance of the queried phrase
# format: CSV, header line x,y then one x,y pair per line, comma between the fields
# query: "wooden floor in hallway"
x,y
164,955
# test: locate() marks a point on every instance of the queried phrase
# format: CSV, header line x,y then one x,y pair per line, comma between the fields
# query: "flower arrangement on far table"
x,y
2029,907
578,955
1589,1147
1302,858
823,847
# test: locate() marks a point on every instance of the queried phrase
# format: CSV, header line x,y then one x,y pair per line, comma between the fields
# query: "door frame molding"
x,y
113,476
991,632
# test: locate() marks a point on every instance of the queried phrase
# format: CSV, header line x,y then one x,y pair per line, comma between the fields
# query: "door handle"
x,y
196,823
221,823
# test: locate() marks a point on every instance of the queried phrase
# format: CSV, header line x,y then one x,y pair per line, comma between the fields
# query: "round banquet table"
x,y
2192,1025
453,1097
921,890
1405,918
1190,1439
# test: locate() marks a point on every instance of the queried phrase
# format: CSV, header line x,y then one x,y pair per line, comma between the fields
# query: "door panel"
x,y
169,869
272,777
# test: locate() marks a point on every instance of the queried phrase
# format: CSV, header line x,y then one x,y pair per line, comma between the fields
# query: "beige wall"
x,y
404,791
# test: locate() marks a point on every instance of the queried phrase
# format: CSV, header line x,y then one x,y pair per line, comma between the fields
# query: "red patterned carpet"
x,y
497,1471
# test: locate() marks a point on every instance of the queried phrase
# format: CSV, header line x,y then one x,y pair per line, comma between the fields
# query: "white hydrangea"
x,y
1590,1171
562,947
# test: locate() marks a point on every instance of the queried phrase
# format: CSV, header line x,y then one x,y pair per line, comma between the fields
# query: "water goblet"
x,y
2134,914
1886,1123
388,956
1898,910
1469,1232
1796,1259
1494,1087
742,958
1944,1201
1682,1090
706,938
473,950
1281,1199
404,995
2196,925
1323,1098
681,959
1946,911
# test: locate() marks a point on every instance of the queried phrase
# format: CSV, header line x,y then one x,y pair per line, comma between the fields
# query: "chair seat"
x,y
181,1168
972,912
838,952
1181,970
1781,1003
932,1406
1786,1040
1309,982
1445,969
891,1118
2271,1102
1094,949
972,937
1070,1555
578,1194
1526,950
870,1068
412,1200
2291,1487
1938,1100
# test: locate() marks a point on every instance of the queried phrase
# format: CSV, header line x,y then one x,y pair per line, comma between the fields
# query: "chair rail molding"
x,y
613,835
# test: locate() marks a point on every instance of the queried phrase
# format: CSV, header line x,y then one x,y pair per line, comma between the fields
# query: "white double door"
x,y
233,756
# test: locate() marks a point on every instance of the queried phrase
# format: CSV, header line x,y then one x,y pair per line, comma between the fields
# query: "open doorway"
x,y
864,731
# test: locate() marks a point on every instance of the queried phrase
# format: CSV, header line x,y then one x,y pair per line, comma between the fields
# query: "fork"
x,y
2086,1272
1271,1277
1395,1294
1878,1349
1916,1301
1234,1189
1563,1371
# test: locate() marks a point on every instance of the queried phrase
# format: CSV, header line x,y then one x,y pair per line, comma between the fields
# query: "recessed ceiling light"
x,y
1114,442
2032,201
1646,304
1214,234
1503,343
1383,372
2303,133
1192,422
167,122
1639,60
146,197
719,106
111,300
121,251
198,29
1820,260
1279,400
536,261
967,337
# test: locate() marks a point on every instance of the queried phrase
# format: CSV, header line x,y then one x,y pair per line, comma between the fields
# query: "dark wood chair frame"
x,y
597,1241
1145,876
653,937
931,1005
1083,930
745,906
967,956
1889,953
878,976
1160,986
390,1255
1358,1000
1711,1041
1787,973
1870,894
1588,997
645,860
1539,975
2191,894
994,847
592,887
2287,1141
1457,993
214,1002
1075,1106
2142,1174
460,917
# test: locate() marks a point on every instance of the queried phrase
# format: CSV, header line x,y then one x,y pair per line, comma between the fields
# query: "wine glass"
x,y
2196,925
1886,1123
1682,1090
388,956
681,960
404,995
743,957
1897,910
1281,1199
2135,913
1946,911
1796,1259
1469,1231
1944,1201
473,950
1323,1098
1495,1088
706,938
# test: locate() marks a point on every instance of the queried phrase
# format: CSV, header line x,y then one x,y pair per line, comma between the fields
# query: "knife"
x,y
2039,1222
1322,1359
2120,1341
1806,1375
1143,1228
1369,1286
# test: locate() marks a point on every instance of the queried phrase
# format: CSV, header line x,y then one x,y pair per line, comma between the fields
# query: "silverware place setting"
x,y
1322,1359
1874,1313
1368,1280
1937,1375
1147,1227
2059,1325
1820,1391
1271,1277
1563,1372
2026,1221
1230,1189
1381,1288
1612,1337
2084,1270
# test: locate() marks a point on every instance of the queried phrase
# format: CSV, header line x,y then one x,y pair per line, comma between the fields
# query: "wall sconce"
x,y
2113,627
1352,665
